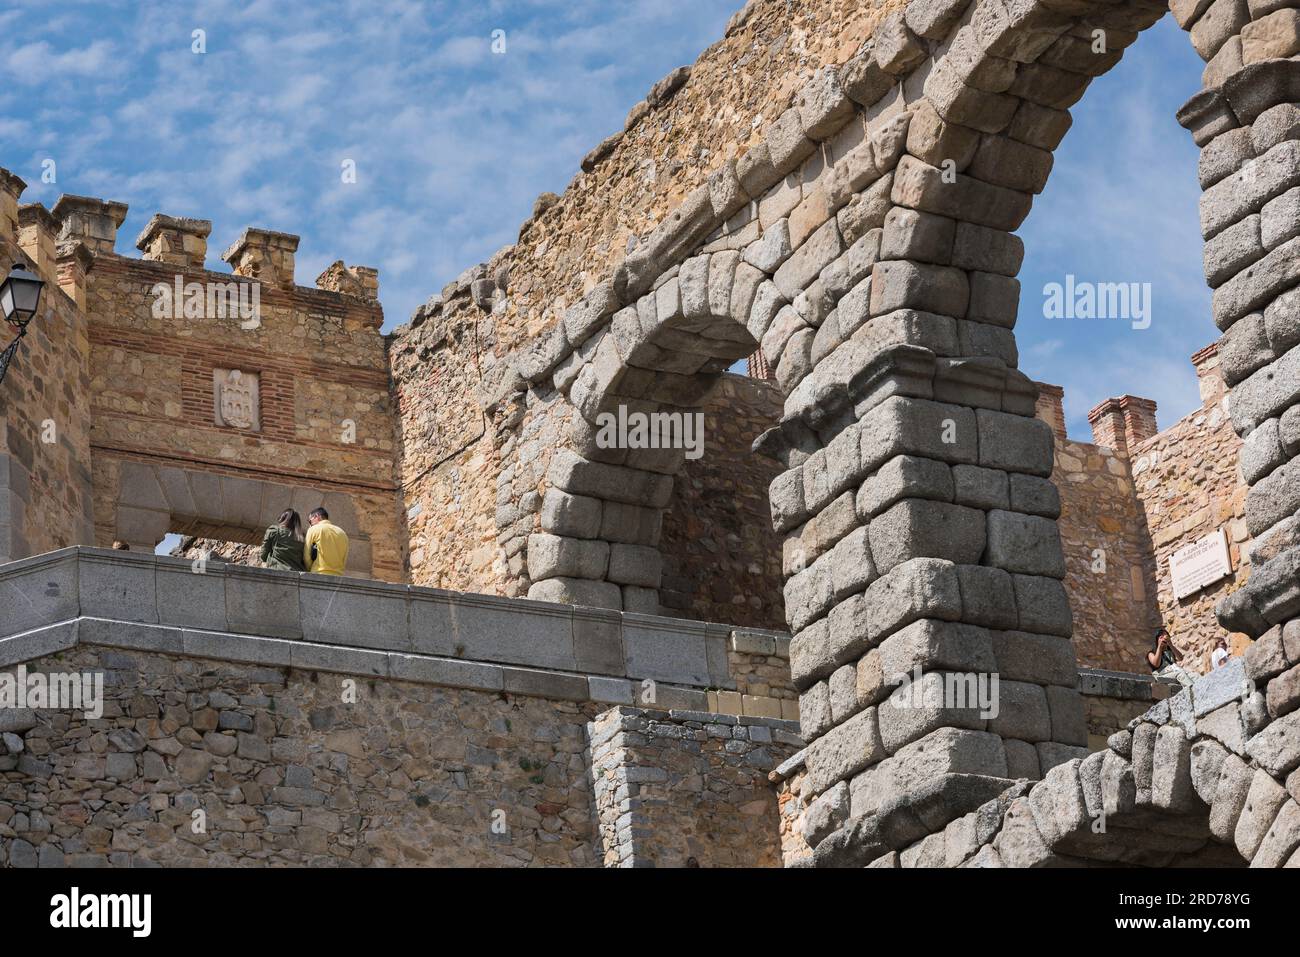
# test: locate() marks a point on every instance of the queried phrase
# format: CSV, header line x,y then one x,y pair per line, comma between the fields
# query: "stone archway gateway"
x,y
154,499
867,246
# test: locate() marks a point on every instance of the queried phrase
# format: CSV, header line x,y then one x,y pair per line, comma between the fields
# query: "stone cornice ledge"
x,y
359,662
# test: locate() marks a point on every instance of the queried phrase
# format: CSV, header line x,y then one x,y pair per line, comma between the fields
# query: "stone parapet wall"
x,y
207,608
688,789
262,718
1112,699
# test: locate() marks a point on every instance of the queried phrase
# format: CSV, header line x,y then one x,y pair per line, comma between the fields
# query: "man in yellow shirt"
x,y
326,549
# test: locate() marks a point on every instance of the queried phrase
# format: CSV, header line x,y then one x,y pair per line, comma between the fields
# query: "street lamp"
x,y
20,295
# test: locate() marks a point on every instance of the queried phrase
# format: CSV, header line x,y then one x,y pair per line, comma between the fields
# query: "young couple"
x,y
1164,659
323,550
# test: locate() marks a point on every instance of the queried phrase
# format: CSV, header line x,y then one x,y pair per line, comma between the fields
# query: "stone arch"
x,y
660,356
919,518
967,560
1206,778
152,499
665,350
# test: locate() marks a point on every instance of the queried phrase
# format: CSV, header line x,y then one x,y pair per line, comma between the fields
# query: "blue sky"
x,y
452,143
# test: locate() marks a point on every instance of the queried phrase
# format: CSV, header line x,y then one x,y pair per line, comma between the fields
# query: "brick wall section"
x,y
687,789
722,560
45,488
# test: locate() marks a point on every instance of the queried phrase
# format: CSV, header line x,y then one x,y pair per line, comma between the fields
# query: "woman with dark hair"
x,y
282,543
1163,661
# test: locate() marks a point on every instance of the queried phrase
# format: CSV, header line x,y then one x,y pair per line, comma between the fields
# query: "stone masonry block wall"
x,y
45,489
684,132
687,789
1111,699
759,663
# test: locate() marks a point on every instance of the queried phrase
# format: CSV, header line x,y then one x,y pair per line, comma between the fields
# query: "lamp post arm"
x,y
7,356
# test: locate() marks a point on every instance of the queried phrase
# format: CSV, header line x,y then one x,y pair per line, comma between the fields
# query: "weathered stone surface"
x,y
1028,544
1274,748
844,750
918,529
1263,800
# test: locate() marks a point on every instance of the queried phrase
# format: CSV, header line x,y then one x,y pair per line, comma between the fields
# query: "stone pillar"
x,y
180,241
11,187
93,222
265,255
74,261
1051,408
1250,174
37,234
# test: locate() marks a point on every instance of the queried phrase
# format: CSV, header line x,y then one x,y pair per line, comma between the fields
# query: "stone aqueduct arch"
x,y
866,246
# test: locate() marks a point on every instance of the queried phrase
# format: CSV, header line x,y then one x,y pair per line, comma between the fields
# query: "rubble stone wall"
x,y
688,789
1189,481
722,561
1109,570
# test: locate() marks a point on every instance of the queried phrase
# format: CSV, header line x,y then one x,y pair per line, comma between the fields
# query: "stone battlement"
x,y
93,223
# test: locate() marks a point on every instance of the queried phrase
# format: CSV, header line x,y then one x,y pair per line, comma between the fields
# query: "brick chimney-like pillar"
x,y
93,222
38,236
264,254
1209,374
1122,423
11,187
175,240
1050,407
74,261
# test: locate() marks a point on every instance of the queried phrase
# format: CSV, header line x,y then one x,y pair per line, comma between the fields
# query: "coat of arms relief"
x,y
235,399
